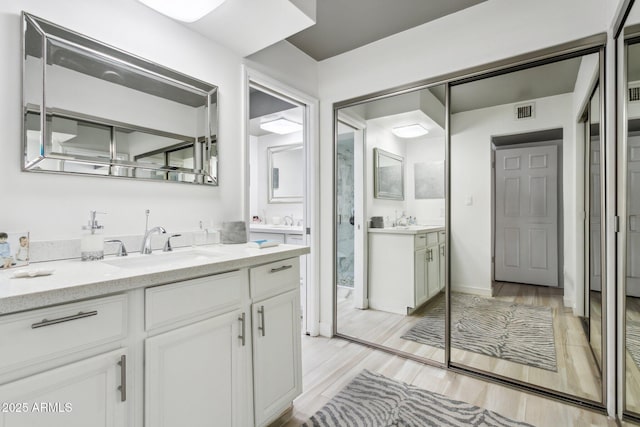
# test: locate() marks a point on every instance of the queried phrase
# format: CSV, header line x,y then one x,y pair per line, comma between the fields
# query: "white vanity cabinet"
x,y
196,372
220,349
404,269
65,366
277,360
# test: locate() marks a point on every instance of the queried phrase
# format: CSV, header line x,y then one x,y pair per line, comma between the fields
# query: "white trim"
x,y
312,181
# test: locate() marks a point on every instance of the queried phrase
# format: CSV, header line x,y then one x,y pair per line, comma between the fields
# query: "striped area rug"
x,y
372,400
514,332
633,340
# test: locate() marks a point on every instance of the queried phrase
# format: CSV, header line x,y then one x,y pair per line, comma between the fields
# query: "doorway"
x,y
280,133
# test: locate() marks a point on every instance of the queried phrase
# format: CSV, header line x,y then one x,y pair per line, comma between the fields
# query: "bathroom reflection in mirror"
x,y
75,120
630,224
388,175
517,143
286,176
390,237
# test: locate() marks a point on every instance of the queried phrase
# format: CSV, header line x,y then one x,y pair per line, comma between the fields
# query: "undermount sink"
x,y
162,259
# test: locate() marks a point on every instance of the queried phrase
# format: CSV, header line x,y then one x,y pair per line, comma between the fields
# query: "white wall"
x,y
414,150
55,206
471,134
490,31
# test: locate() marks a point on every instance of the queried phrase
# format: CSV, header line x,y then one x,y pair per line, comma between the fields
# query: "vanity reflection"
x,y
93,109
389,223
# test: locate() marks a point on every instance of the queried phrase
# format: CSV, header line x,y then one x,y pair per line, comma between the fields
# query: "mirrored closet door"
x,y
629,203
518,310
390,222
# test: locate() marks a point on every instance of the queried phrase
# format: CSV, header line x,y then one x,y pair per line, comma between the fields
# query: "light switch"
x,y
468,201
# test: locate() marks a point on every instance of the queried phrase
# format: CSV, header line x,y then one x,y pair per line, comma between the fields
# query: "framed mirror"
x,y
388,175
286,177
93,109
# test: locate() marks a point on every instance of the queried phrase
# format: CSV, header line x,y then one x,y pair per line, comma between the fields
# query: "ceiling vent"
x,y
634,91
525,111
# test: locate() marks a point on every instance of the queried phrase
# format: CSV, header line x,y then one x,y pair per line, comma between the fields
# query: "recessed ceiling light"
x,y
281,126
409,131
186,11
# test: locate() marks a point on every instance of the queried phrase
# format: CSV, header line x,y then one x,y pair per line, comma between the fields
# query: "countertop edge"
x,y
79,292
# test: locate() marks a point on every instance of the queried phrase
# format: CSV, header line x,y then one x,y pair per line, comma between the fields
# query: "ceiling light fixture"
x,y
281,126
185,11
409,131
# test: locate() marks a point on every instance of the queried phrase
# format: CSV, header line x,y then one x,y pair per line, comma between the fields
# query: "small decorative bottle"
x,y
92,242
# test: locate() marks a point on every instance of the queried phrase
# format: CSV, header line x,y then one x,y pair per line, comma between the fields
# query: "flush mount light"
x,y
186,11
281,126
409,131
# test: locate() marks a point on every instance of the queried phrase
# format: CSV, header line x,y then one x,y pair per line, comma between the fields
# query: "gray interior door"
x,y
633,221
526,215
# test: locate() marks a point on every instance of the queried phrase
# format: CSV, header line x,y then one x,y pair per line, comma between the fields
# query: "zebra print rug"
x,y
372,400
633,341
514,332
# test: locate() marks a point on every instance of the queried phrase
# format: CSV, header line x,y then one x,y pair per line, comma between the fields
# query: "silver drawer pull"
x,y
261,323
422,236
123,378
46,322
284,267
241,318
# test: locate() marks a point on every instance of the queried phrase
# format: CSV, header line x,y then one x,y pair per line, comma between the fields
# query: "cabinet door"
x,y
420,266
194,375
277,359
433,267
441,272
81,394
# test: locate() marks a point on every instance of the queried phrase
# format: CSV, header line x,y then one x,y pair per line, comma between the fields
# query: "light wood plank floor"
x,y
577,374
329,364
633,372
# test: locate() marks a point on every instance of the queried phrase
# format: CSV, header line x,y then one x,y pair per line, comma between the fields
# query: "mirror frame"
x,y
271,151
380,190
205,170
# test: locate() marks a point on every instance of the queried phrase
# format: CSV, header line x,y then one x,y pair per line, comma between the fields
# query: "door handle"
x,y
242,335
261,320
123,378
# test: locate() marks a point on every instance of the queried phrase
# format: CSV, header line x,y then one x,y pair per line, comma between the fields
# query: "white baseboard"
x,y
569,302
326,329
471,290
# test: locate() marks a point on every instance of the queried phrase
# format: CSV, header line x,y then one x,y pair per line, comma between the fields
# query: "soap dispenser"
x,y
92,242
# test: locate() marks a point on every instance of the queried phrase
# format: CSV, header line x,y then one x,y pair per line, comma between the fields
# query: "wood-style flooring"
x,y
330,363
577,374
632,383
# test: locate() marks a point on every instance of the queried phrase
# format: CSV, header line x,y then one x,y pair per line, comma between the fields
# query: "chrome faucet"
x,y
288,220
146,240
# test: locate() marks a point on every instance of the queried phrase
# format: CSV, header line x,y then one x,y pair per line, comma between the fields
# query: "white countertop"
x,y
271,228
74,279
409,229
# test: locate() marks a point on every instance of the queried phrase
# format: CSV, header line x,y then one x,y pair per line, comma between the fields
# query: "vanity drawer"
x,y
441,237
41,335
274,278
420,240
167,304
